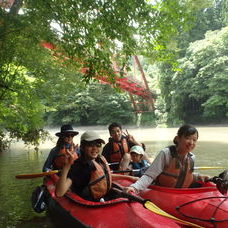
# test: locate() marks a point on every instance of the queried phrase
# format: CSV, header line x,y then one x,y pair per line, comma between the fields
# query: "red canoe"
x,y
73,211
204,206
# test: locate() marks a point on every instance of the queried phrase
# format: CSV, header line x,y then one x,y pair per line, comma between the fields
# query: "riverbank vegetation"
x,y
182,47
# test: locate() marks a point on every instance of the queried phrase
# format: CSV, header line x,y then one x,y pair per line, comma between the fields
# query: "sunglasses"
x,y
93,143
69,135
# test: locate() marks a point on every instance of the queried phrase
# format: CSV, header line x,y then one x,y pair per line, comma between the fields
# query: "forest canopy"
x,y
39,87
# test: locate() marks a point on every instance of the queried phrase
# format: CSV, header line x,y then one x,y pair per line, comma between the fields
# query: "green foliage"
x,y
224,12
91,34
21,111
200,90
205,19
95,104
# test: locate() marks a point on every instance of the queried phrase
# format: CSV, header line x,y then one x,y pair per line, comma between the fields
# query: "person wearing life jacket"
x,y
89,176
138,165
117,150
174,165
57,156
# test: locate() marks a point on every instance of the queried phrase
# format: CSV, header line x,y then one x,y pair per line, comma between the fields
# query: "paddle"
x,y
125,171
35,175
42,174
152,207
113,163
209,167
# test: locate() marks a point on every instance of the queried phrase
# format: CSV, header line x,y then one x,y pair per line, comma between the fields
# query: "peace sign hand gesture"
x,y
130,138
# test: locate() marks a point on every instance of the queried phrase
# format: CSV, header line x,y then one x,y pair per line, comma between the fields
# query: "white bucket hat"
x,y
137,149
91,136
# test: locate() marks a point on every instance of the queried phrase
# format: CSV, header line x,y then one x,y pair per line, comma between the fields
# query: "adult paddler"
x,y
174,165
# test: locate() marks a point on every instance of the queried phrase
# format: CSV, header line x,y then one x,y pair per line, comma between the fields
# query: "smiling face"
x,y
186,144
116,134
91,149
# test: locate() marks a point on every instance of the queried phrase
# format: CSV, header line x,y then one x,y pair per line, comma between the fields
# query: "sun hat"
x,y
91,136
137,149
66,128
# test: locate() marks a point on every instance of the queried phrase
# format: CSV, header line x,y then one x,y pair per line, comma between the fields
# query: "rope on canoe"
x,y
212,219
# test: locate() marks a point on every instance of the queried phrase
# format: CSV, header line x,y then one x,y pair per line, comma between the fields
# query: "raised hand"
x,y
71,156
128,136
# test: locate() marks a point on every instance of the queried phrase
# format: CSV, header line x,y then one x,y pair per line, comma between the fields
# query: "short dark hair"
x,y
114,124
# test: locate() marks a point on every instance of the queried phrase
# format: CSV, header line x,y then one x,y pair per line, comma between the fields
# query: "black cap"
x,y
67,128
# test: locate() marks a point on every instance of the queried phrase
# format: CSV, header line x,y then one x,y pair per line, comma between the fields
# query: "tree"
x,y
94,104
90,34
200,89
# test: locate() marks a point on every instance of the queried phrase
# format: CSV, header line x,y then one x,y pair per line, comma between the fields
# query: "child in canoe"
x,y
118,147
138,165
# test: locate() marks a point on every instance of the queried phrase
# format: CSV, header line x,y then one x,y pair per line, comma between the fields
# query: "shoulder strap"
x,y
107,170
191,161
173,151
174,154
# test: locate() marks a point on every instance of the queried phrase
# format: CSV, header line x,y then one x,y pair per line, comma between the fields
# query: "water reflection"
x,y
15,194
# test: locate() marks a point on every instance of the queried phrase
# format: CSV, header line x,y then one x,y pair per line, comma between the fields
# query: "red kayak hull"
x,y
73,211
204,206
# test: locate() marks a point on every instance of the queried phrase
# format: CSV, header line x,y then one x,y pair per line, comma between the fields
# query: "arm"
x,y
150,175
141,184
198,176
146,157
131,139
64,182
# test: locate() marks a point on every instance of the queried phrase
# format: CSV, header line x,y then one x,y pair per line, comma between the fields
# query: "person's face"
x,y
136,157
186,144
116,134
68,138
92,149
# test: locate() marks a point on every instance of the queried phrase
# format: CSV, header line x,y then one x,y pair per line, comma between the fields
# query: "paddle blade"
x,y
35,175
209,167
154,208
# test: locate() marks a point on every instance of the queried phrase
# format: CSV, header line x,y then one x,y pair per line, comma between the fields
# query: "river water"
x,y
15,194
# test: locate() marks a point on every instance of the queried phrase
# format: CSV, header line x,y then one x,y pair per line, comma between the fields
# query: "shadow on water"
x,y
16,211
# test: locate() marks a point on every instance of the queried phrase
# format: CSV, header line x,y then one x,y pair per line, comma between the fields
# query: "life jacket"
x,y
60,159
139,168
139,165
119,150
100,179
176,174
